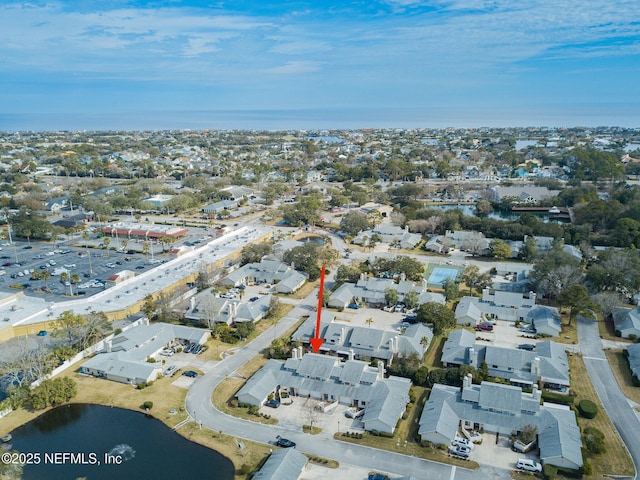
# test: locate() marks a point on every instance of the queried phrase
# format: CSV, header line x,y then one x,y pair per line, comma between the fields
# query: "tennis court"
x,y
440,274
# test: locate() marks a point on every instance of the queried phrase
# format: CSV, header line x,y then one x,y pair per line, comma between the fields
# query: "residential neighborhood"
x,y
449,296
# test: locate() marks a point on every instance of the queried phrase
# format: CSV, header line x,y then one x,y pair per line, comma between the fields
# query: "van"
x,y
528,465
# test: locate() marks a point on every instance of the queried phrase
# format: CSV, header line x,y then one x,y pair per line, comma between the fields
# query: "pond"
x,y
80,440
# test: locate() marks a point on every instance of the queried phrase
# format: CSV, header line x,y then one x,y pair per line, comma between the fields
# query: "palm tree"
x,y
424,341
106,241
45,275
369,321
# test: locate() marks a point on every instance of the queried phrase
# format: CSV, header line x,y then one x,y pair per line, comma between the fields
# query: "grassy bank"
x,y
616,460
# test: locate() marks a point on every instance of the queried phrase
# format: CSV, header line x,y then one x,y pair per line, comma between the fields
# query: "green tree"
x,y
347,273
451,289
354,223
499,249
411,268
474,279
254,252
69,326
411,299
391,296
440,316
578,300
529,249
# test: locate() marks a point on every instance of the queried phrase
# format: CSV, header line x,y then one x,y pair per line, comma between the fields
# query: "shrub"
x,y
549,471
586,469
554,397
245,469
587,408
636,381
148,405
151,360
593,440
253,410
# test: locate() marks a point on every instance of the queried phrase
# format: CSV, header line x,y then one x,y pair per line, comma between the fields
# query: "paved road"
x,y
199,406
607,388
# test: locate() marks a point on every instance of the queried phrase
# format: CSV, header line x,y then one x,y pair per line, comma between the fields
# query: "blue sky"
x,y
120,58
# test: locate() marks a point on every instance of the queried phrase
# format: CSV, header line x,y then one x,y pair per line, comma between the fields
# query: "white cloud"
x,y
293,68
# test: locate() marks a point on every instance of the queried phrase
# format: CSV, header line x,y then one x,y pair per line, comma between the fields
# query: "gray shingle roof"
x,y
634,359
284,464
558,431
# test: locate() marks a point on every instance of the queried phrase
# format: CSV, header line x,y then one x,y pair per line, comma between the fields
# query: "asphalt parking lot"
x,y
505,334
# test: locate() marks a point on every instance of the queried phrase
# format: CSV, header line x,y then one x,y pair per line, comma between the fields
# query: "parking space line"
x,y
453,472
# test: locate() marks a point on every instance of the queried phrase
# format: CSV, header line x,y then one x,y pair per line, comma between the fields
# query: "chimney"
x,y
473,356
352,354
363,276
380,369
467,381
342,335
395,344
532,296
300,351
403,276
535,366
107,344
192,302
294,353
535,393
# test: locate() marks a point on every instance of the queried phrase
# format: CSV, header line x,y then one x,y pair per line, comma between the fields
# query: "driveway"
x,y
615,403
200,408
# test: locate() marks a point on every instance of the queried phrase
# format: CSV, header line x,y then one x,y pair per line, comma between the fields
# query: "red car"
x,y
485,326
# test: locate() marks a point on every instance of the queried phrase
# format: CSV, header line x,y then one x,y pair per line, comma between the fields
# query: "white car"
x,y
462,442
460,451
528,465
167,352
70,265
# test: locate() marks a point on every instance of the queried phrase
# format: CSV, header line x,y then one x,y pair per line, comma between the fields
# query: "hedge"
x,y
554,397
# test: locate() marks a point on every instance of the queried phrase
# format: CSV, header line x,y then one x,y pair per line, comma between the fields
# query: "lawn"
x,y
616,460
607,331
223,396
569,333
404,438
434,352
305,290
622,372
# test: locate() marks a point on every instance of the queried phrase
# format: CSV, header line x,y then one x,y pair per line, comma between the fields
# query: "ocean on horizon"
x,y
322,119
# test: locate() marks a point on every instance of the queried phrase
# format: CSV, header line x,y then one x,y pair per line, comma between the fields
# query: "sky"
x,y
95,64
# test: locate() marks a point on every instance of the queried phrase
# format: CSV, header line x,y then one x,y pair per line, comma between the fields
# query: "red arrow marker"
x,y
316,341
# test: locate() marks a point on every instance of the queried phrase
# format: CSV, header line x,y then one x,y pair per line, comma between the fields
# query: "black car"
x,y
253,299
190,373
527,346
139,267
27,247
285,443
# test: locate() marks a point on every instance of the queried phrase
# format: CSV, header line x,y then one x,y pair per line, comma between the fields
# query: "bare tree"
x,y
434,222
607,301
207,308
311,416
398,219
